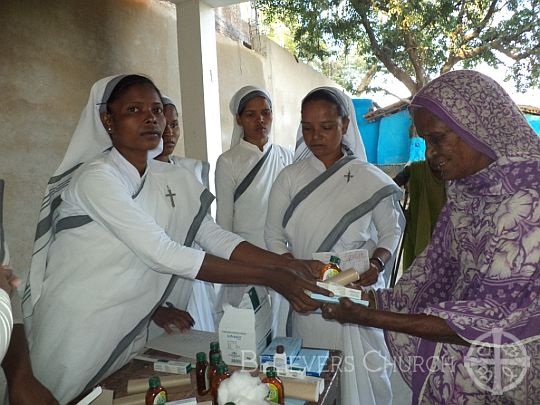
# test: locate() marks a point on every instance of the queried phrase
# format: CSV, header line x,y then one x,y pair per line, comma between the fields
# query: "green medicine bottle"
x,y
156,394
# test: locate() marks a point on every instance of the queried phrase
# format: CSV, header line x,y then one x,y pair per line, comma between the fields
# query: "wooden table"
x,y
141,369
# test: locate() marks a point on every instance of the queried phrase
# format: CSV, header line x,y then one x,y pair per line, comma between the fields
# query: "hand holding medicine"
x,y
377,264
348,312
166,317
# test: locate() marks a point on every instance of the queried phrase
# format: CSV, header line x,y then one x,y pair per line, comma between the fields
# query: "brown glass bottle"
x,y
222,373
330,269
215,359
156,394
276,394
201,374
214,348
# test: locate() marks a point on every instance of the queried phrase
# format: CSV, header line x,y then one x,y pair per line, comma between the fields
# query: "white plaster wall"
x,y
287,80
51,52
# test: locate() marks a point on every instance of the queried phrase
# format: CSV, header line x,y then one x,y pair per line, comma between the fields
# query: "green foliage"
x,y
414,40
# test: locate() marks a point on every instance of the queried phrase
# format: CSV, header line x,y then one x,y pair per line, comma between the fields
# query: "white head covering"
x,y
352,140
238,131
88,141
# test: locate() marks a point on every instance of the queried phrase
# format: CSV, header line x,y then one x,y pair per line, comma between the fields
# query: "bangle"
x,y
378,263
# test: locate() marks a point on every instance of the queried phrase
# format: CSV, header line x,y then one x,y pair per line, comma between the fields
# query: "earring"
x,y
109,129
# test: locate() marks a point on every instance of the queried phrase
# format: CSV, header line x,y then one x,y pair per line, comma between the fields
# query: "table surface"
x,y
142,369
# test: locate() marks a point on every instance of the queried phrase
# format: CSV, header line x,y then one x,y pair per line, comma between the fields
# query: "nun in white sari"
x,y
332,200
245,174
108,241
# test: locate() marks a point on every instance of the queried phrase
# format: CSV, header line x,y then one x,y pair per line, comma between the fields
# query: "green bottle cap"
x,y
215,358
271,372
201,356
221,368
154,382
335,259
214,346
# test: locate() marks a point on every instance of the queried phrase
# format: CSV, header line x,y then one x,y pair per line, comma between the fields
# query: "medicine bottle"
x,y
222,373
330,269
201,374
275,387
156,394
214,348
215,359
280,358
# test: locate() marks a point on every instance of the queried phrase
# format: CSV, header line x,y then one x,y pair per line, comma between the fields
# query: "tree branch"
x,y
366,80
400,74
476,31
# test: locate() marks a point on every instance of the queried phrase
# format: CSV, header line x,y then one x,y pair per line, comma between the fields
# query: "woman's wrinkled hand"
x,y
346,312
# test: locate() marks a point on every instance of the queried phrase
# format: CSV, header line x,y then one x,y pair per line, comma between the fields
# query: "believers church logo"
x,y
496,367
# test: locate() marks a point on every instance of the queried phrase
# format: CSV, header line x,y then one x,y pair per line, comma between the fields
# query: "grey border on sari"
x,y
206,199
312,186
244,184
355,214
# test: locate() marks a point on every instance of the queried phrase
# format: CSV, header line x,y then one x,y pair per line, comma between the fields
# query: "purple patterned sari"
x,y
481,272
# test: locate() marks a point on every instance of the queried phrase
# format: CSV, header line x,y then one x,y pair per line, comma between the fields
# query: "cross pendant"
x,y
171,195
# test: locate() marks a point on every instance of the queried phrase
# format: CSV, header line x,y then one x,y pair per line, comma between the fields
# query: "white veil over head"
x,y
89,139
352,140
244,95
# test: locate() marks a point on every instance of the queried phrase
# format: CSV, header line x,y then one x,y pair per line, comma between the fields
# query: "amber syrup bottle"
x,y
212,369
275,387
330,269
201,374
222,373
156,394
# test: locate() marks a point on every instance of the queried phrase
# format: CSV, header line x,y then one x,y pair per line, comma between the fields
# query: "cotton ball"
x,y
242,389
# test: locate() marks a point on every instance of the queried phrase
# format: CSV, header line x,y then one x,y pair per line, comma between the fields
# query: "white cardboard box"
x,y
245,331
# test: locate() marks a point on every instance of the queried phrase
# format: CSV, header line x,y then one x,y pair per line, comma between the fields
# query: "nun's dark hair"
x,y
326,95
124,84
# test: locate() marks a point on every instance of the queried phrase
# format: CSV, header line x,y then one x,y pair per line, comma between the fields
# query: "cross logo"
x,y
497,367
348,176
171,195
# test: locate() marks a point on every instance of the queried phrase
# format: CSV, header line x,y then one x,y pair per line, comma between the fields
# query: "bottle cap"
x,y
215,358
201,356
214,346
154,382
280,349
221,368
271,372
335,259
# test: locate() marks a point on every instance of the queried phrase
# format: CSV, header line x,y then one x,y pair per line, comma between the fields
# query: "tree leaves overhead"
x,y
413,40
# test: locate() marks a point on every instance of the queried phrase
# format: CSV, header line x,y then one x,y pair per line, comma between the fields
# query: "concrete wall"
x,y
52,52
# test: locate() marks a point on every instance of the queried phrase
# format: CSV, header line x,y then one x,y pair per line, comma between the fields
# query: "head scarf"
x,y
479,111
238,102
352,140
480,273
89,140
167,101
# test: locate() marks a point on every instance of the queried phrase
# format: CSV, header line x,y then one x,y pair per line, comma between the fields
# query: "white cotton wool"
x,y
242,389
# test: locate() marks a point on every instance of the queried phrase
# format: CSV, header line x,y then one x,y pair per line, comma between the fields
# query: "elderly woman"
x,y
121,230
332,200
468,306
245,174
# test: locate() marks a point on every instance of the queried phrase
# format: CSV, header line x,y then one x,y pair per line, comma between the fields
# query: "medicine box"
x,y
314,360
172,366
245,331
